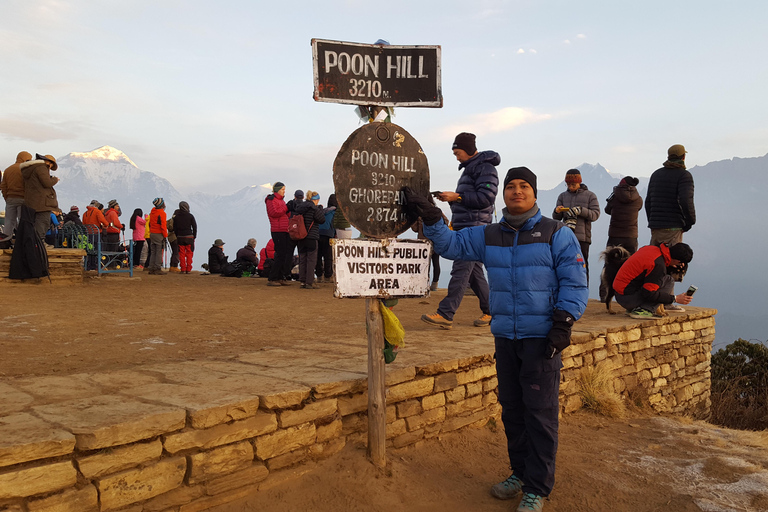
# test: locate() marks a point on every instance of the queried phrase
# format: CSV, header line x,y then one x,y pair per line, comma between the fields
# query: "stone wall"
x,y
65,267
187,459
664,361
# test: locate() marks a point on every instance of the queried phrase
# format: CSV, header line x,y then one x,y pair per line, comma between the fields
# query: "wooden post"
x,y
377,406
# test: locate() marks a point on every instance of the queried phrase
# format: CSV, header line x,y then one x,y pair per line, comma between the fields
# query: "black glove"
x,y
559,335
123,228
419,206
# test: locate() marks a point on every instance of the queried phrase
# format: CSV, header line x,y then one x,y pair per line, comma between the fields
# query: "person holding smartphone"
x,y
471,205
644,285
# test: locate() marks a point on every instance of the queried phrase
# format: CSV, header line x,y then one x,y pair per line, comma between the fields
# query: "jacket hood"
x,y
27,167
491,157
23,157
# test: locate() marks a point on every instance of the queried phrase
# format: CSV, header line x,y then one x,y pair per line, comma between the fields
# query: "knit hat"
x,y
676,152
48,158
159,203
277,186
74,208
681,252
184,206
522,173
94,203
218,241
112,203
465,141
299,194
573,176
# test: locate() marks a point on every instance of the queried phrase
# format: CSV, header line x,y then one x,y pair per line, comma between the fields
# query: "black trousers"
x,y
281,267
324,266
529,387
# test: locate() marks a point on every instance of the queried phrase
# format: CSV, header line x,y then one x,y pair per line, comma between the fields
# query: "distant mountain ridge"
x,y
728,239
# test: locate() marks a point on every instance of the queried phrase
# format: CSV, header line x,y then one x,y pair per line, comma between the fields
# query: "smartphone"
x,y
691,290
436,193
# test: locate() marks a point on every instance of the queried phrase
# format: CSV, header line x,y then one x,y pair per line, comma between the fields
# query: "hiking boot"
x,y
285,283
641,314
675,308
437,320
273,283
531,503
508,489
433,286
660,311
174,269
483,321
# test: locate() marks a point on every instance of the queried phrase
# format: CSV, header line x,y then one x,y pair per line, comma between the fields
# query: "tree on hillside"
x,y
740,385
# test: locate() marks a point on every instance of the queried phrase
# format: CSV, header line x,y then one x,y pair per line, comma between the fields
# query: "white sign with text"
x,y
381,268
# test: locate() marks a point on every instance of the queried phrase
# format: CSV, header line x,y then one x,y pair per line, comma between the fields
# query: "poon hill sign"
x,y
383,75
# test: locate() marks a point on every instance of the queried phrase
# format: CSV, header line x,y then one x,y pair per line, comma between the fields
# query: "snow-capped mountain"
x,y
107,173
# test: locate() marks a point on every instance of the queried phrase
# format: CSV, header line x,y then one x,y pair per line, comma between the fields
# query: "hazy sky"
x,y
218,95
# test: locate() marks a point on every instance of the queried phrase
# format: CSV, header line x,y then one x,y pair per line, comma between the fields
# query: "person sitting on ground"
x,y
73,216
216,257
644,285
248,258
266,258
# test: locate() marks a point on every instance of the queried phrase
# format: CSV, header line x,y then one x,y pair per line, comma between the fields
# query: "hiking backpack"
x,y
297,230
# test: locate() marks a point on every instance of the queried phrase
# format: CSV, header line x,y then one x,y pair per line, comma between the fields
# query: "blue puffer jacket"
x,y
531,272
478,186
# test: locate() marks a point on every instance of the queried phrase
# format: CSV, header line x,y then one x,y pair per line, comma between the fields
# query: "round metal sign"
x,y
372,167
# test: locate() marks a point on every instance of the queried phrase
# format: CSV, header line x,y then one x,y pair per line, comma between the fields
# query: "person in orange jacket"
x,y
114,226
158,233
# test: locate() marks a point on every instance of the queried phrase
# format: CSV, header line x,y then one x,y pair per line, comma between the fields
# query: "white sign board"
x,y
381,268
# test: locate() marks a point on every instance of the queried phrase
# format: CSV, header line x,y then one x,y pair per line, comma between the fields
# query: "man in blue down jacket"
x,y
538,288
472,205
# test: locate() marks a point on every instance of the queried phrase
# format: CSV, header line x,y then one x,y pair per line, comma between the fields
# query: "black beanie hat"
x,y
681,252
522,173
465,141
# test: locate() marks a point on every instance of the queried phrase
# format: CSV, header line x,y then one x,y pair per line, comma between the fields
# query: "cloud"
x,y
519,51
567,41
532,51
502,120
33,131
581,36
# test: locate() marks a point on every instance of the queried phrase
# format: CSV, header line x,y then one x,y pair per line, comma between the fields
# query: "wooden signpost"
x,y
368,74
369,173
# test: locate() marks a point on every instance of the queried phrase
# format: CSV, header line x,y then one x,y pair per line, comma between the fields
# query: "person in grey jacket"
x,y
577,207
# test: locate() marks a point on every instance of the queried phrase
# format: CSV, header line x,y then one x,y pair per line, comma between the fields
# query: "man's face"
x,y
461,155
519,197
573,187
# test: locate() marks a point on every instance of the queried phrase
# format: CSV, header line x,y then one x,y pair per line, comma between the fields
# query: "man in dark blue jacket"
x,y
538,289
472,205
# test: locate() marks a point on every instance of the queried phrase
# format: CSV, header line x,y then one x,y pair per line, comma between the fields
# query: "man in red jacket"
x,y
277,211
643,284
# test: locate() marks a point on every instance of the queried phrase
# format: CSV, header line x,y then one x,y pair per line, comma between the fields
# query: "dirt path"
x,y
636,465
